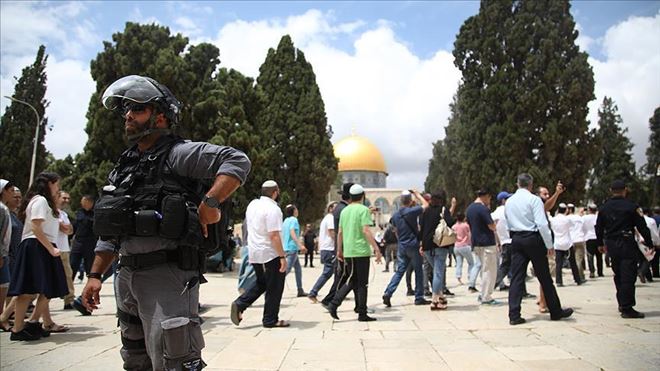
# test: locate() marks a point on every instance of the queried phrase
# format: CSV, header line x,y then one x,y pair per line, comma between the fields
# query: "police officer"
x,y
163,193
615,234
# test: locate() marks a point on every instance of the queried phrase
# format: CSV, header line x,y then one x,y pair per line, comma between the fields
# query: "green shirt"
x,y
351,221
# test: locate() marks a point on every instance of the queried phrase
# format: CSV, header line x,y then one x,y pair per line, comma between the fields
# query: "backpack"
x,y
390,236
443,235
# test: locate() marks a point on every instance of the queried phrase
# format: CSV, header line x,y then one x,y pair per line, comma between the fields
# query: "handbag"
x,y
443,235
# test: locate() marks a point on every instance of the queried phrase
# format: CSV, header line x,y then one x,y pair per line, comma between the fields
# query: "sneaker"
x,y
386,301
410,293
78,305
565,313
518,321
472,289
24,335
422,302
366,318
631,313
446,292
491,302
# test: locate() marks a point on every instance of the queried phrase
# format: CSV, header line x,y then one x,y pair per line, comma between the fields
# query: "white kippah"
x,y
562,205
406,193
570,205
356,189
269,184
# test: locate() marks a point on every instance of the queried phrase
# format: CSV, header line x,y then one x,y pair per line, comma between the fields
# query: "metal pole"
x,y
36,136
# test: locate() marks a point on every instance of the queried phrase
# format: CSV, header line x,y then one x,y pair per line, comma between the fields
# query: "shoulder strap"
x,y
413,230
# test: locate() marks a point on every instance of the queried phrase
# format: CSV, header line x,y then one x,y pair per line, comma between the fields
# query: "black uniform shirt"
x,y
335,216
617,218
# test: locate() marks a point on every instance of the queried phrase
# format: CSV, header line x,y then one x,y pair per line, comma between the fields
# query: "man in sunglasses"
x,y
157,212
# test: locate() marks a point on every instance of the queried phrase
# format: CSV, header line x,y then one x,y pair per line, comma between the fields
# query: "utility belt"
x,y
120,216
186,258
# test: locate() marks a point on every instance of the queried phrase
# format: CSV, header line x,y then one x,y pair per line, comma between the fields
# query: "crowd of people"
x,y
153,222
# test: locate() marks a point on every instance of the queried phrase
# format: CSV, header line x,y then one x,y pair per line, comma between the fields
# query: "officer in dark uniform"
x,y
163,193
615,225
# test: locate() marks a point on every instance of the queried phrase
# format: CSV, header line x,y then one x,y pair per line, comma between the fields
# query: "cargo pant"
x,y
160,325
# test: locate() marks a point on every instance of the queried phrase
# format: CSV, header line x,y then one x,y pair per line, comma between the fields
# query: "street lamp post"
x,y
36,136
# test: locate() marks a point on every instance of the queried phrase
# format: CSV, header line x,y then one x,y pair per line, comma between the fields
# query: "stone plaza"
x,y
466,336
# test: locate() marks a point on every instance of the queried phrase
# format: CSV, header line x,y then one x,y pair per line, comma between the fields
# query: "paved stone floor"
x,y
405,337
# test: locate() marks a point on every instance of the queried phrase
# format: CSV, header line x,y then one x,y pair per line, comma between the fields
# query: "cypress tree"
x,y
297,141
522,101
19,122
614,154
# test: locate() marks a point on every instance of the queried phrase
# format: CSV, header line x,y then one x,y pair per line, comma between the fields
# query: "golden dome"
x,y
359,154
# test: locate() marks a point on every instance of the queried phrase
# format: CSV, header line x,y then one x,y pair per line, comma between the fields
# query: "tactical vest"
x,y
147,199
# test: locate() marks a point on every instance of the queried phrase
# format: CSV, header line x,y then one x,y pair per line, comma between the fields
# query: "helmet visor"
x,y
134,88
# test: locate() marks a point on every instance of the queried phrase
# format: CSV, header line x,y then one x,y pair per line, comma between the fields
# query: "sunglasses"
x,y
133,107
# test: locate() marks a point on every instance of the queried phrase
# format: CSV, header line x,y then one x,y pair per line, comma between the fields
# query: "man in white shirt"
x,y
563,244
264,220
326,249
577,236
530,241
65,230
589,230
646,266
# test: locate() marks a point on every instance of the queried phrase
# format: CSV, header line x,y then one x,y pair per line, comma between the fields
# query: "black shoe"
x,y
325,305
24,335
386,301
77,305
560,284
518,321
582,282
311,266
601,275
410,293
528,296
422,302
333,311
565,313
428,293
472,289
36,328
631,313
591,275
302,294
446,292
366,318
385,270
369,310
504,287
68,307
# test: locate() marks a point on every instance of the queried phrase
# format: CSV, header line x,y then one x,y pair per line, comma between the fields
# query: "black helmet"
x,y
142,89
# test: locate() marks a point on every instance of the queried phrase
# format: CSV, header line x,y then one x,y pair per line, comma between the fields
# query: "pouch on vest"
x,y
174,212
113,216
182,344
146,223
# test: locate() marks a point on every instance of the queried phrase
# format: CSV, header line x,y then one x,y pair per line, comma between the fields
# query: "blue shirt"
x,y
525,213
478,217
407,236
289,243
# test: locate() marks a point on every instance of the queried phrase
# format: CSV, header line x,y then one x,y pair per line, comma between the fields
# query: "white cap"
x,y
356,189
562,205
269,184
3,184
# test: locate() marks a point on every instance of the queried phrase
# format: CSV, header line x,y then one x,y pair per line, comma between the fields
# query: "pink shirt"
x,y
462,234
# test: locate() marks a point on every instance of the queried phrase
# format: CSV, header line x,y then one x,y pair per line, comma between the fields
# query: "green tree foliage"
x,y
297,141
614,154
653,152
522,102
19,122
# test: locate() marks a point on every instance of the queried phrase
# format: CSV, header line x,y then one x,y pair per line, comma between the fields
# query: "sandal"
x,y
438,306
280,323
54,327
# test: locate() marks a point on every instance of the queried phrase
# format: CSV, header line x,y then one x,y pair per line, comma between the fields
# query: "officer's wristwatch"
x,y
211,202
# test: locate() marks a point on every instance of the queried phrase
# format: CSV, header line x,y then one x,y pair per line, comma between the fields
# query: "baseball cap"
x,y
503,196
269,184
356,189
618,185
